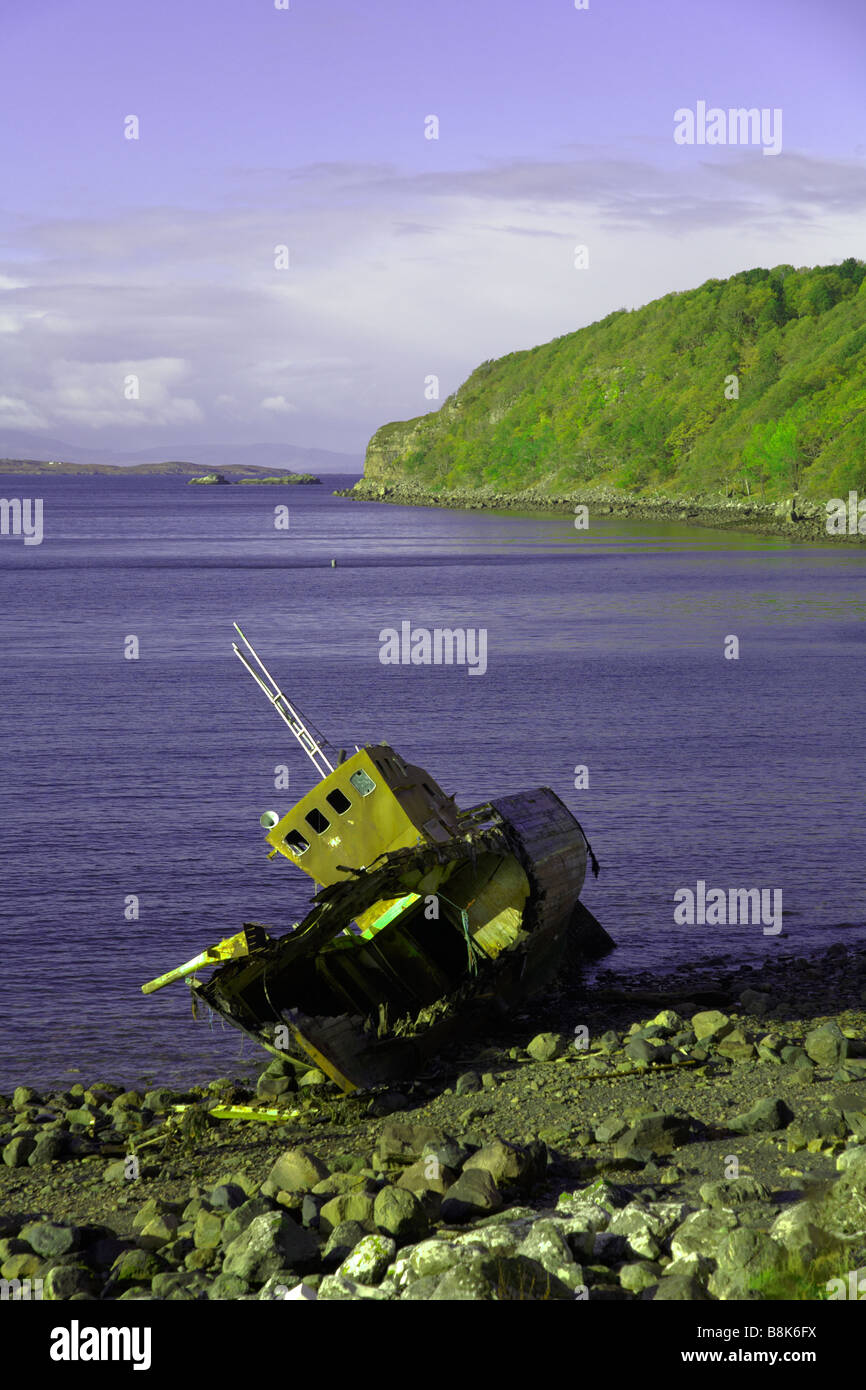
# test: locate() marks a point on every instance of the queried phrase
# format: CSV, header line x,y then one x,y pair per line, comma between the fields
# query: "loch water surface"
x,y
137,784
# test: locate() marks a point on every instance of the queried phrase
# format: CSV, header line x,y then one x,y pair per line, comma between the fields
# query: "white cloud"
x,y
189,299
93,395
17,414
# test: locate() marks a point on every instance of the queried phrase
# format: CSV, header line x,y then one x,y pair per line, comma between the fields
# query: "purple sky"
x,y
408,256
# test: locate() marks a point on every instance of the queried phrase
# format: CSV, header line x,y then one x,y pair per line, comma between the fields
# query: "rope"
x,y
592,859
464,922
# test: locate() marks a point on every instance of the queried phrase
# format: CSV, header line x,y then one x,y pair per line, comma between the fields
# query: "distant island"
x,y
283,478
243,472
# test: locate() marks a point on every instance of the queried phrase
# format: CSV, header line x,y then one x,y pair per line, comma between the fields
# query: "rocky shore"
x,y
793,518
700,1136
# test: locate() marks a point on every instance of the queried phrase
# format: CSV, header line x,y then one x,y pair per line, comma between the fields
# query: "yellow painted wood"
x,y
496,913
391,817
232,948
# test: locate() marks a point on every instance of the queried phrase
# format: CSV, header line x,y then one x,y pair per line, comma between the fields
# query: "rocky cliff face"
x,y
389,452
388,448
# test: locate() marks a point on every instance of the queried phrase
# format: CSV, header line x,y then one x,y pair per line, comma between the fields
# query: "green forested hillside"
x,y
644,398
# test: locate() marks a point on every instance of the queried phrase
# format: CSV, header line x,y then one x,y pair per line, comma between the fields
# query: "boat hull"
x,y
481,923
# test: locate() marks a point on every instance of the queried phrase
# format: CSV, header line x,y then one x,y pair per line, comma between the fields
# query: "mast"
x,y
288,712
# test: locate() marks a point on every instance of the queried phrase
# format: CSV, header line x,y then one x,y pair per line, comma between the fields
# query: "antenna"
x,y
285,709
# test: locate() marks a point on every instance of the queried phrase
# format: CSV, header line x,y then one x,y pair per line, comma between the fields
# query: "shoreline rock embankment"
x,y
793,518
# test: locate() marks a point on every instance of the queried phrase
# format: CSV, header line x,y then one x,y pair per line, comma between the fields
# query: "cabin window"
x,y
296,842
338,801
319,822
362,783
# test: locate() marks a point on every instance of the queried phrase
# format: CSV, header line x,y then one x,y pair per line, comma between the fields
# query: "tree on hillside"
x,y
773,455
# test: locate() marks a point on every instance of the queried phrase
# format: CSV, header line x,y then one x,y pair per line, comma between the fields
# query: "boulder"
x,y
464,1283
794,1056
48,1148
711,1025
814,1132
842,1211
241,1217
432,1258
160,1099
208,1231
271,1087
341,1242
227,1287
640,1275
18,1151
467,1083
609,1129
669,1020
656,1133
744,1260
136,1267
161,1230
683,1288
519,1278
296,1170
226,1196
799,1231
401,1143
474,1194
700,1234
546,1244
335,1286
23,1266
766,1115
644,1051
852,1158
368,1260
270,1243
428,1174
448,1152
63,1282
733,1192
350,1206
737,1045
545,1047
827,1046
50,1238
641,1230
397,1212
313,1077
337,1183
509,1165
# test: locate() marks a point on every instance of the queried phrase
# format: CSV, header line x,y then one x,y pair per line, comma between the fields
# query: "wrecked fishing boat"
x,y
427,919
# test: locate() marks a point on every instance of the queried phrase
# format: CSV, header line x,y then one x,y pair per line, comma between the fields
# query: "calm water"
x,y
605,648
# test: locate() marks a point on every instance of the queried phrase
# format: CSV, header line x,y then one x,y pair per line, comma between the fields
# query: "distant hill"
x,y
186,470
238,459
752,385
